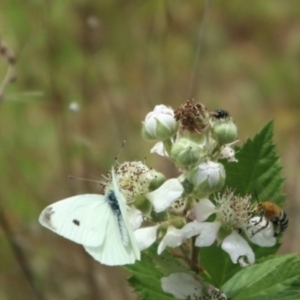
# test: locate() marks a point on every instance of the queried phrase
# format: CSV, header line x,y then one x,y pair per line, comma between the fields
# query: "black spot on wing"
x,y
46,217
76,222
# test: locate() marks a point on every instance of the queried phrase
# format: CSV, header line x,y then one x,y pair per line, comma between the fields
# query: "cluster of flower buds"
x,y
194,139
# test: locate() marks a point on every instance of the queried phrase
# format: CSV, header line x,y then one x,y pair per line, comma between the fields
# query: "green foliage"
x,y
217,265
146,274
258,169
275,278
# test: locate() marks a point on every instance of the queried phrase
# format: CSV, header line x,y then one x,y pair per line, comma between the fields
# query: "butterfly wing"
x,y
82,219
113,252
123,208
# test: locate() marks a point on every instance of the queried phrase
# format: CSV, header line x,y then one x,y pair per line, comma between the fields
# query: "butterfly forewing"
x,y
82,219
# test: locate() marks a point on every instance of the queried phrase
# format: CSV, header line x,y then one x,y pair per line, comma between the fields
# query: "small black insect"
x,y
76,222
220,114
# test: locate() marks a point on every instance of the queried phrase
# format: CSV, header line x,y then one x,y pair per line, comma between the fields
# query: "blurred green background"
x,y
117,59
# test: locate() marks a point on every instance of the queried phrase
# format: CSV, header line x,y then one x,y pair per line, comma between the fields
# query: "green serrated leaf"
x,y
146,275
270,279
168,264
258,169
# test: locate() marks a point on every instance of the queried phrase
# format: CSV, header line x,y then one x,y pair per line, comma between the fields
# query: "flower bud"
x,y
225,131
157,181
185,152
142,204
159,124
208,177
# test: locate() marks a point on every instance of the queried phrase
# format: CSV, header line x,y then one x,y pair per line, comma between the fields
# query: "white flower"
x,y
146,236
232,213
159,124
135,217
206,231
207,177
173,238
165,195
134,178
228,153
235,245
159,149
202,210
261,232
182,286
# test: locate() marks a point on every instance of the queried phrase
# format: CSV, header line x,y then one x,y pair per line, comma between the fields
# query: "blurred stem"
x,y
198,51
194,262
10,73
19,255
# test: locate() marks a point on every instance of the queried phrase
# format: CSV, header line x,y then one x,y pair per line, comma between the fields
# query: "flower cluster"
x,y
191,207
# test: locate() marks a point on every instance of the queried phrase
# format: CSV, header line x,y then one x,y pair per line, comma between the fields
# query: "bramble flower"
x,y
232,214
173,238
146,236
182,286
193,117
165,195
185,286
134,178
159,124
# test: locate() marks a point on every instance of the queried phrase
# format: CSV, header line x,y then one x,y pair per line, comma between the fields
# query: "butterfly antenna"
x,y
85,179
122,147
198,51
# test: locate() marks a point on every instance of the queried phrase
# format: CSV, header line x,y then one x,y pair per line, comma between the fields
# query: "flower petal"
x,y
135,217
202,210
261,232
173,238
236,246
159,149
165,195
146,236
182,286
208,234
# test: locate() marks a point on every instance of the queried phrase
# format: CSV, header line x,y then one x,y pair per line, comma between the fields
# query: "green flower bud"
x,y
185,152
225,130
143,204
157,181
208,177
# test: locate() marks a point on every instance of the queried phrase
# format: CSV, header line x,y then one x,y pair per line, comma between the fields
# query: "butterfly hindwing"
x,y
124,209
113,252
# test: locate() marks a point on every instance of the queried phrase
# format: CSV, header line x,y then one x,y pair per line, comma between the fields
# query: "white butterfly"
x,y
99,223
